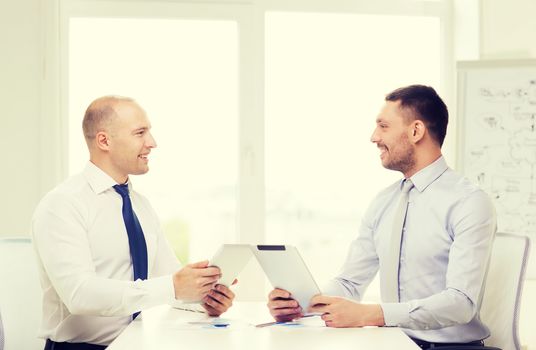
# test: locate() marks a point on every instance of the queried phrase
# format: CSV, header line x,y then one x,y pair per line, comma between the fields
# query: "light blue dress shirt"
x,y
446,243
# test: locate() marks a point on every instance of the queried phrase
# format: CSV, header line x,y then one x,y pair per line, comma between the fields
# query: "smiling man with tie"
x,y
429,235
103,257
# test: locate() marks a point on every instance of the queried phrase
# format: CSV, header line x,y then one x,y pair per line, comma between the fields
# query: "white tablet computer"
x,y
286,269
231,259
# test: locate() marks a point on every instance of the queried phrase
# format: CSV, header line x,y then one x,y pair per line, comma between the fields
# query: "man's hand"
x,y
218,300
340,312
282,307
194,281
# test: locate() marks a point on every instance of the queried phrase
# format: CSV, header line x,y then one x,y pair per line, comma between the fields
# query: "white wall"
x,y
21,60
508,29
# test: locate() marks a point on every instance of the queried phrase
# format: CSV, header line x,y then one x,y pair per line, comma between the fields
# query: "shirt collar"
x,y
423,178
98,180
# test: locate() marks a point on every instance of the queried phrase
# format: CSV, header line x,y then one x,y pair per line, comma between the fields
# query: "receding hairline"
x,y
408,113
101,112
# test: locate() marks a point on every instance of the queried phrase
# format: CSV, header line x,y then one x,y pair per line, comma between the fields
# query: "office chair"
x,y
20,294
502,293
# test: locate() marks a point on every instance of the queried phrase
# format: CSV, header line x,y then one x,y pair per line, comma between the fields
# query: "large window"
x,y
184,73
262,110
326,76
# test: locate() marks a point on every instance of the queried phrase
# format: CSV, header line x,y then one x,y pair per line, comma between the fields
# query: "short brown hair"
x,y
426,105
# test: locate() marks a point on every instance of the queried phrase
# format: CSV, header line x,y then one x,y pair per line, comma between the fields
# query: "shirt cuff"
x,y
395,314
159,290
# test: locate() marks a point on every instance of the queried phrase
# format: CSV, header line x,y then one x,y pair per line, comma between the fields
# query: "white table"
x,y
164,327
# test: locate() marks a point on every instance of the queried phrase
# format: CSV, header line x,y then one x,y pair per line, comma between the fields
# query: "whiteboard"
x,y
497,139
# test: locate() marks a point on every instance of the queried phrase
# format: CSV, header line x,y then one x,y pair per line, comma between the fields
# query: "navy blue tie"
x,y
136,239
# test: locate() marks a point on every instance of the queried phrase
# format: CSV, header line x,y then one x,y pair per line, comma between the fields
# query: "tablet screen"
x,y
287,270
231,259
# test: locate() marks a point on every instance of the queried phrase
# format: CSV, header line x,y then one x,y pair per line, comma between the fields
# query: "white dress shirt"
x,y
446,243
84,260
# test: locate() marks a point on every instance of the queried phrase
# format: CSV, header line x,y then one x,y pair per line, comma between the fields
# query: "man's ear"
x,y
418,132
102,140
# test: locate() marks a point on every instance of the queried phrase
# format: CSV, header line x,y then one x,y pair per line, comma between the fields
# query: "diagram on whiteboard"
x,y
499,138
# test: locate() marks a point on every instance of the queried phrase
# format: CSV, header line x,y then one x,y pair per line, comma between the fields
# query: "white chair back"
x,y
20,295
504,285
1,333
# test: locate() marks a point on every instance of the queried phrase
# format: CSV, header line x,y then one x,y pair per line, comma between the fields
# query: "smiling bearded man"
x,y
428,235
